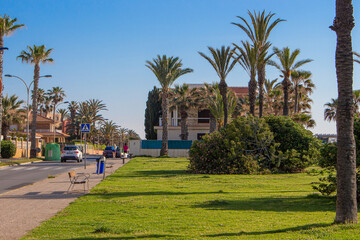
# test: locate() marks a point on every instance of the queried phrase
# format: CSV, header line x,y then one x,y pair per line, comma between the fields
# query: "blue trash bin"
x,y
100,166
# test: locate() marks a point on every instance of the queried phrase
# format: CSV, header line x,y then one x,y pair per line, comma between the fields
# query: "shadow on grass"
x,y
292,229
134,237
159,173
134,194
300,204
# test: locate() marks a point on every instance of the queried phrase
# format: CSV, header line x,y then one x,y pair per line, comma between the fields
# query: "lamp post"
x,y
27,107
54,116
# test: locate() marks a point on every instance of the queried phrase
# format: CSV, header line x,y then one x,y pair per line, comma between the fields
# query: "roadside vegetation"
x,y
11,162
155,198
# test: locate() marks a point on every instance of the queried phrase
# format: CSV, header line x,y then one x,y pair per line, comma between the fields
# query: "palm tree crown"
x,y
223,62
36,55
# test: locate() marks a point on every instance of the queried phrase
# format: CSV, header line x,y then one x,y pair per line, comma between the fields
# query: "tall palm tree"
x,y
108,130
287,65
346,205
207,94
63,114
258,32
7,27
56,95
298,77
248,59
35,55
222,61
71,128
357,55
166,70
11,113
184,98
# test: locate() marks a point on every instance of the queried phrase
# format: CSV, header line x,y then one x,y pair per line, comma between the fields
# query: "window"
x,y
204,116
200,135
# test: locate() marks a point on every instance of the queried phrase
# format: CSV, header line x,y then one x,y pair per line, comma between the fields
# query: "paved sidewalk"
x,y
24,209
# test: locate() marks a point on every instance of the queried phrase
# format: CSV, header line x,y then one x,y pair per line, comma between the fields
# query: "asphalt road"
x,y
19,176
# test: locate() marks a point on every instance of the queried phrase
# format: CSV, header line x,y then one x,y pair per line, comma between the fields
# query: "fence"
x,y
177,148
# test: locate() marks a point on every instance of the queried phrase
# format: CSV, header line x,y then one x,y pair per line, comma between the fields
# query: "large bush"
x,y
245,146
8,149
297,148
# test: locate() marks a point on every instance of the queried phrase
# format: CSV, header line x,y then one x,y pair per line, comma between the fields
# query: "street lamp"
x,y
27,108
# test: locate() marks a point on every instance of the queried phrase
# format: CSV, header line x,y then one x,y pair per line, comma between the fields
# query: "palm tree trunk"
x,y
346,205
296,109
34,111
286,83
223,92
183,125
212,123
164,106
1,84
261,80
252,95
5,131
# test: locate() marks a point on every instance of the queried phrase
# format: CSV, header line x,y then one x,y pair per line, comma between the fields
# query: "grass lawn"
x,y
10,162
154,198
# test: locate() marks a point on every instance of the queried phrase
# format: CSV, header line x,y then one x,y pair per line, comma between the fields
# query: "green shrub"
x,y
245,146
328,153
8,149
297,148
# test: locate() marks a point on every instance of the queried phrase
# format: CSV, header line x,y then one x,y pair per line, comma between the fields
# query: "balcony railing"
x,y
173,122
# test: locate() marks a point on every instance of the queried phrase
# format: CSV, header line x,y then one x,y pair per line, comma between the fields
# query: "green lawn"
x,y
154,198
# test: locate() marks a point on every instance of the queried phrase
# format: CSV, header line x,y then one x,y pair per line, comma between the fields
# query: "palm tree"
x,y
56,95
357,55
166,70
63,114
184,98
248,59
41,99
72,126
272,96
207,94
258,32
298,77
108,130
7,27
11,113
330,112
35,55
287,65
222,63
346,205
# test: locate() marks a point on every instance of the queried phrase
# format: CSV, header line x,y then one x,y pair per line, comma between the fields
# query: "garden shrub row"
x,y
8,149
251,145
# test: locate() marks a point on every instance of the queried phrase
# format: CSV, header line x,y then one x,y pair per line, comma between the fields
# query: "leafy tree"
x,y
222,61
7,27
166,70
35,55
286,66
258,32
152,113
346,205
11,113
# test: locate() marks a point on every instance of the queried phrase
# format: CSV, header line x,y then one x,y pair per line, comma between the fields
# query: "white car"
x,y
71,153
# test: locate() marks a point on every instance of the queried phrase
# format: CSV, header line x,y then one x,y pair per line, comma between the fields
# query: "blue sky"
x,y
100,47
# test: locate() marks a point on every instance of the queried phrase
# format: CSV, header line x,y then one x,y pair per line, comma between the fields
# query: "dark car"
x,y
118,152
109,152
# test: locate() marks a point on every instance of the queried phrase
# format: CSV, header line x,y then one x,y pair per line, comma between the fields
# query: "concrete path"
x,y
24,209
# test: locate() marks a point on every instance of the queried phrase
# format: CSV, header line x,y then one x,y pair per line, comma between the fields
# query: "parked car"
x,y
118,152
109,152
71,153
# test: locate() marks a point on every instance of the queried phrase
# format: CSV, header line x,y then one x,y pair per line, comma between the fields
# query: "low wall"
x,y
136,149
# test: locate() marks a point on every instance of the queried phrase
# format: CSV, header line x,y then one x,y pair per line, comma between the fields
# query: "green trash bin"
x,y
52,152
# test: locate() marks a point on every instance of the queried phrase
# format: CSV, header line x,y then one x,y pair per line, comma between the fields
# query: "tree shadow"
x,y
158,173
130,237
105,195
276,204
292,229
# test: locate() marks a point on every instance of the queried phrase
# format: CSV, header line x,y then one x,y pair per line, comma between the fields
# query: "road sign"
x,y
85,128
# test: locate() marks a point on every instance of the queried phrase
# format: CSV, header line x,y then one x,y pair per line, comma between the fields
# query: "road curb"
x,y
18,164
